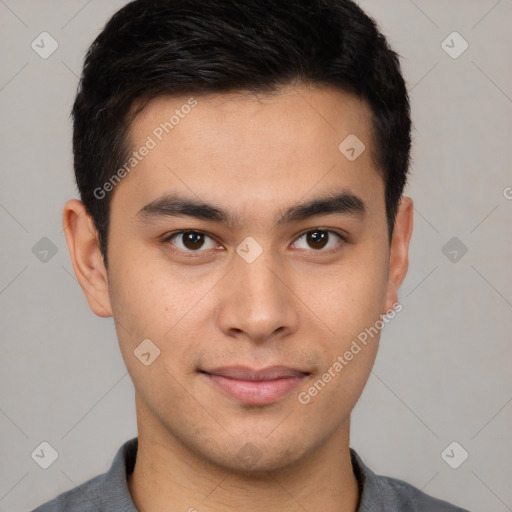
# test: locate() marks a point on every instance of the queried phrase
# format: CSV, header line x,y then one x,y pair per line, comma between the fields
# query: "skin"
x,y
295,305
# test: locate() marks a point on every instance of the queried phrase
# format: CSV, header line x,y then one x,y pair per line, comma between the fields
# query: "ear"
x,y
399,251
86,258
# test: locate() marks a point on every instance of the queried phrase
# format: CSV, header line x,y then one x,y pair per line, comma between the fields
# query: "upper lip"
x,y
252,374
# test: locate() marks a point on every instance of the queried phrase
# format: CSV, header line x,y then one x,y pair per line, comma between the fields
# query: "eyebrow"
x,y
173,205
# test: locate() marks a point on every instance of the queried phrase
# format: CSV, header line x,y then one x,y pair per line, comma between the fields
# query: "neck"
x,y
168,477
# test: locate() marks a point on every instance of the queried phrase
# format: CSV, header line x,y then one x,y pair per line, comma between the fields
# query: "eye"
x,y
319,239
191,241
197,241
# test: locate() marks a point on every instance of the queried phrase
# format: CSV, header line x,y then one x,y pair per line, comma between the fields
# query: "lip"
x,y
255,386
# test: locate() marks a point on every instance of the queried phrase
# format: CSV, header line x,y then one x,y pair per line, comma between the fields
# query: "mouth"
x,y
255,386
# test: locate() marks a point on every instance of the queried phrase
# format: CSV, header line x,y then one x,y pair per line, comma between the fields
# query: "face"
x,y
254,296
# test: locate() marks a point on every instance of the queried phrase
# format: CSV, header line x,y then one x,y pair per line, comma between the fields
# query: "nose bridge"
x,y
258,302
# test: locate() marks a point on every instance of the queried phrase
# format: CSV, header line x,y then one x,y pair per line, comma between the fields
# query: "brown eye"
x,y
317,239
191,241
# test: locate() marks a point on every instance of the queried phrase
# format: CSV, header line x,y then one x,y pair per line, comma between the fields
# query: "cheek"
x,y
150,306
330,398
348,301
160,302
347,297
351,308
148,296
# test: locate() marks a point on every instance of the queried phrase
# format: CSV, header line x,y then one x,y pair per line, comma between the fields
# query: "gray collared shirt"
x,y
109,492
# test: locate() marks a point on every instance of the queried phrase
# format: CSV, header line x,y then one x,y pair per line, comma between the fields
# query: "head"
x,y
241,167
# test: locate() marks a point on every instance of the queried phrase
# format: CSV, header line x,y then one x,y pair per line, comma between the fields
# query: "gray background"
x,y
443,370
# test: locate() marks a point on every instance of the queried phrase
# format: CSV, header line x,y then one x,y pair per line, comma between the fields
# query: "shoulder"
x,y
80,499
411,499
385,494
106,492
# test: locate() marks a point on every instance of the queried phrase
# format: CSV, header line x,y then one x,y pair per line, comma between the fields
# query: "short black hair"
x,y
155,48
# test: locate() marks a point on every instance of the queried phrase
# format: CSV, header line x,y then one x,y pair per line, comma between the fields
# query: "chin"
x,y
258,458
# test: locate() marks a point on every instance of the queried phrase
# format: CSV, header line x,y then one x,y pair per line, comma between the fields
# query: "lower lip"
x,y
256,392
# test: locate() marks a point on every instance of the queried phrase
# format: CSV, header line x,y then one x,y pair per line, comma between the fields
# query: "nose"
x,y
258,303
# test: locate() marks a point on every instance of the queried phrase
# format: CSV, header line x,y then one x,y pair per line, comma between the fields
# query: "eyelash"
x,y
195,254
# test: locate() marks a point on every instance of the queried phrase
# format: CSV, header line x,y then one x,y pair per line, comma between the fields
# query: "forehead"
x,y
318,108
268,147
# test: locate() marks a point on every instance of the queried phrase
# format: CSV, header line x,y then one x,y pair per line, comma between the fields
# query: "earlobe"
x,y
399,252
86,258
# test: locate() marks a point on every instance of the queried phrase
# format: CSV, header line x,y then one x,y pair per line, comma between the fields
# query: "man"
x,y
241,167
